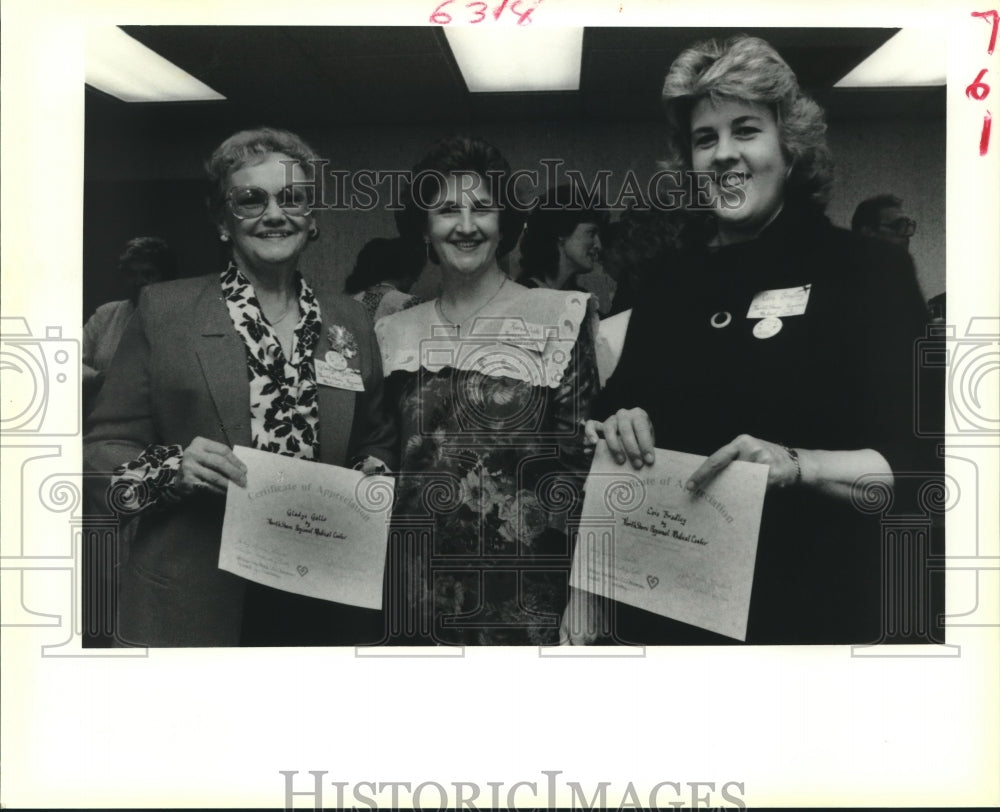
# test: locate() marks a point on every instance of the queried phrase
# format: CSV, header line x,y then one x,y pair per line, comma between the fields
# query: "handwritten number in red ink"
x,y
481,11
984,138
440,17
989,15
978,90
524,17
499,10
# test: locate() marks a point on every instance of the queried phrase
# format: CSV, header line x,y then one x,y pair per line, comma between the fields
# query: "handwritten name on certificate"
x,y
647,541
309,528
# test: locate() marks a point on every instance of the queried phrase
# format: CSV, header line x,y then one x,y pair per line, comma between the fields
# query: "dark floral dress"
x,y
491,464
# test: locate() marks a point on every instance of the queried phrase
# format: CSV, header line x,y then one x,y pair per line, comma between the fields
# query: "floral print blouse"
x,y
284,415
492,461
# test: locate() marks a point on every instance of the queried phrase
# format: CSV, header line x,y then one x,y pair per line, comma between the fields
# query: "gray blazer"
x,y
181,372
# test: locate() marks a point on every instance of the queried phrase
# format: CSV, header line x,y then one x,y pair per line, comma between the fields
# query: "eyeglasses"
x,y
246,202
901,226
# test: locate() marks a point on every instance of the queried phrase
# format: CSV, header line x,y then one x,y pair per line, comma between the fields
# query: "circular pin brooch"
x,y
765,328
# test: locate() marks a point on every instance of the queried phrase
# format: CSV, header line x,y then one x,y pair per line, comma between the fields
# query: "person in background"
x,y
383,274
777,339
143,261
489,383
938,307
561,246
225,359
637,246
882,217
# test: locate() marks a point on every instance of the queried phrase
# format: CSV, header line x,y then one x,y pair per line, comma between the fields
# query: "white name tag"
x,y
328,375
781,302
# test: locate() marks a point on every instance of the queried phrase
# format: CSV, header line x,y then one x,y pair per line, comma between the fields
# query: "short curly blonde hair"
x,y
748,69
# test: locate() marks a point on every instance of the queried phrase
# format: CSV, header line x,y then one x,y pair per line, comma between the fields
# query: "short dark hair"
x,y
152,250
384,258
748,69
868,211
458,154
246,148
556,215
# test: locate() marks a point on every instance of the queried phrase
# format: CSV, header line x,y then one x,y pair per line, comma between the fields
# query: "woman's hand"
x,y
372,466
838,474
208,466
784,468
628,433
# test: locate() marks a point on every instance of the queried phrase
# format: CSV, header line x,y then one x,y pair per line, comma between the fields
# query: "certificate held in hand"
x,y
647,541
305,527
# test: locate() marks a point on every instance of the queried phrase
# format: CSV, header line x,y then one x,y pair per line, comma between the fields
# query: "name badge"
x,y
334,373
779,303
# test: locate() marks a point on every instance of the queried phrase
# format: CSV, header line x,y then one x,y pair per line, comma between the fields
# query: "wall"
x,y
149,182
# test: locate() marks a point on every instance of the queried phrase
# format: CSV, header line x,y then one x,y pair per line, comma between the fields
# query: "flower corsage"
x,y
343,345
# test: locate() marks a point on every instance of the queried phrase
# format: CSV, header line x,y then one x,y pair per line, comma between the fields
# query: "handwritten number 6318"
x,y
480,11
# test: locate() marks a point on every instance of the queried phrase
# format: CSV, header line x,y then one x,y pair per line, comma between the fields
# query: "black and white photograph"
x,y
403,381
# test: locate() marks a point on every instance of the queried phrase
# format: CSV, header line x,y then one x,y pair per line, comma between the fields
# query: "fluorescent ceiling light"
x,y
123,67
914,57
518,59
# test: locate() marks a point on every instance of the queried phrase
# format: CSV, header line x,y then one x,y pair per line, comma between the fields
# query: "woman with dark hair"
x,y
384,272
778,339
490,382
231,359
561,241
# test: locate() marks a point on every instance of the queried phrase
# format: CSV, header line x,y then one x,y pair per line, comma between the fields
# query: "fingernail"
x,y
689,485
619,458
637,464
649,457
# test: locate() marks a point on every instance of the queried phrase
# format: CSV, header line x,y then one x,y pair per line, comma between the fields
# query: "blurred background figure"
x,y
383,274
561,247
638,245
144,260
882,216
937,305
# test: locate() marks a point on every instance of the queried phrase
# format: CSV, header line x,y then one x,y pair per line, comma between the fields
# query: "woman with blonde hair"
x,y
778,339
225,359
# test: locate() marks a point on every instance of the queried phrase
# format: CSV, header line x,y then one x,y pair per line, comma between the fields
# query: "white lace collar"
x,y
528,337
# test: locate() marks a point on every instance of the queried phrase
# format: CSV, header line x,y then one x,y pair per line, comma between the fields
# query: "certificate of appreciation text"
x,y
309,528
647,541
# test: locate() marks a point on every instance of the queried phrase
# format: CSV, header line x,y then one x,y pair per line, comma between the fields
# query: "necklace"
x,y
289,309
439,305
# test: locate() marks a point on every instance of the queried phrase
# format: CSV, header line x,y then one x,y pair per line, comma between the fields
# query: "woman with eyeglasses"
x,y
778,339
225,359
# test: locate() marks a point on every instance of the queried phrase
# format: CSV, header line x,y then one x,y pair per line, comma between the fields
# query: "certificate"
x,y
309,528
647,541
